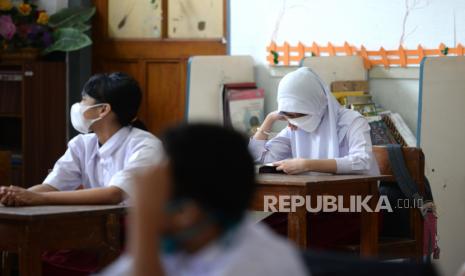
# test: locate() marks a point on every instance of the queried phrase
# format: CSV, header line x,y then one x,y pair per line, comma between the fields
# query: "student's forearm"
x,y
107,195
323,165
265,127
43,188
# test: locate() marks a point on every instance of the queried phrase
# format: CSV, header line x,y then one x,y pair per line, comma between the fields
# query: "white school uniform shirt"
x,y
342,134
94,166
355,149
249,250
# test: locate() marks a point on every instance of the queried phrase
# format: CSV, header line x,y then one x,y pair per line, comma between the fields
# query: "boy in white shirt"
x,y
189,214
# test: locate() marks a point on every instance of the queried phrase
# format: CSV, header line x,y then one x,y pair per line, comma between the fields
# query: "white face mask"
x,y
307,123
79,122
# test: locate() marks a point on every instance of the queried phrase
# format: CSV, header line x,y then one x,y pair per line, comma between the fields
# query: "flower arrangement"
x,y
25,26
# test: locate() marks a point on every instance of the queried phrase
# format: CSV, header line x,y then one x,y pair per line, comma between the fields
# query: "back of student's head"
x,y
121,91
212,166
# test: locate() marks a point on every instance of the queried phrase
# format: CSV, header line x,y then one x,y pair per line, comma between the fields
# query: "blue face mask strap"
x,y
173,242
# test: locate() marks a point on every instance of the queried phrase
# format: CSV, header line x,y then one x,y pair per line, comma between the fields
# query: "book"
x,y
363,99
340,95
243,107
404,130
365,109
269,168
341,86
400,130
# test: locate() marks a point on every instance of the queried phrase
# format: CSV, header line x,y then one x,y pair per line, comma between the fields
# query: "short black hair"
x,y
212,166
121,91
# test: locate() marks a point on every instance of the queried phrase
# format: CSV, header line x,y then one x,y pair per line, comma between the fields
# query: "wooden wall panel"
x,y
165,102
130,67
160,65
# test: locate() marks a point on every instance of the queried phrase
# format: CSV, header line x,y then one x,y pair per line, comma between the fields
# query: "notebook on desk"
x,y
268,168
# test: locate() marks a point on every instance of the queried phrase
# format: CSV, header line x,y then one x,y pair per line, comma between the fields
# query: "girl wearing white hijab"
x,y
321,136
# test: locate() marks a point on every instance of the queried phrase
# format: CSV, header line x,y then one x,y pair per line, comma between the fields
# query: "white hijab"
x,y
302,91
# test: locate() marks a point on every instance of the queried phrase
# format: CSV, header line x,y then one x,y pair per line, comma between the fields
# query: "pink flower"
x,y
7,27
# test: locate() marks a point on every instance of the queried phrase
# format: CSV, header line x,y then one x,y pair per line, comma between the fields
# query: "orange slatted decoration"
x,y
292,55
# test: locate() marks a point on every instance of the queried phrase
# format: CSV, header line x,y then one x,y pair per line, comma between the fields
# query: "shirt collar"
x,y
113,143
212,255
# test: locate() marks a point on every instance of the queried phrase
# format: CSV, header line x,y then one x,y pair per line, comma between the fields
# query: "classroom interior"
x,y
399,63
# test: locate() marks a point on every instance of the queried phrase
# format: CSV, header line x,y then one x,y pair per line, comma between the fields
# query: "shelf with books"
x,y
11,138
11,76
32,127
10,115
386,127
10,98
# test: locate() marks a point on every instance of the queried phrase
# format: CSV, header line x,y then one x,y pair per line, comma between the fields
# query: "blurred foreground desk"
x,y
336,185
29,231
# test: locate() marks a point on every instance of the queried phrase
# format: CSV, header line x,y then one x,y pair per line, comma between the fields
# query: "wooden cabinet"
x,y
32,117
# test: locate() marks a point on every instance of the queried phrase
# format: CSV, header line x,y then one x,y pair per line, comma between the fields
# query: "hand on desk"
x,y
17,196
300,165
292,166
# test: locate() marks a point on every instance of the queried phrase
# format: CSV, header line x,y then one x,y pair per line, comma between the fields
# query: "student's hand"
x,y
6,196
293,166
275,116
267,125
17,196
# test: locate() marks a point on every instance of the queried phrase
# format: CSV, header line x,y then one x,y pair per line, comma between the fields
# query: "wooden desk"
x,y
345,185
30,231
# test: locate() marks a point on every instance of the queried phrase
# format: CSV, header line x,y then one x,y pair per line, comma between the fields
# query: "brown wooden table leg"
x,y
6,263
30,261
297,227
369,233
113,247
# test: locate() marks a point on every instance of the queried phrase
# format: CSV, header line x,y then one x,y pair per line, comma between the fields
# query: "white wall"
x,y
368,22
371,23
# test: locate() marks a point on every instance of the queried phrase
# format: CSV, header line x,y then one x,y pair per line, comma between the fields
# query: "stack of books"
x,y
399,129
354,95
386,127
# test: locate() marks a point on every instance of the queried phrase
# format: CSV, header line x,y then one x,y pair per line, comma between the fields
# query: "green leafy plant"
x,y
70,25
24,25
445,51
275,57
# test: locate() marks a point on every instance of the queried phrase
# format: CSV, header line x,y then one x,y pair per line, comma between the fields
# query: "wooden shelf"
x,y
10,115
14,77
33,127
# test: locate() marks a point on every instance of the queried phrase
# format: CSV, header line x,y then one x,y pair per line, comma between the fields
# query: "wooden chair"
x,y
397,248
405,248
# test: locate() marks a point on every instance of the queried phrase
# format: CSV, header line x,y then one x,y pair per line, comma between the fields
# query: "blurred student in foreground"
x,y
190,217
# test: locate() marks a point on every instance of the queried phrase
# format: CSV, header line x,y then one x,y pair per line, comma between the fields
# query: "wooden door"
x,y
158,62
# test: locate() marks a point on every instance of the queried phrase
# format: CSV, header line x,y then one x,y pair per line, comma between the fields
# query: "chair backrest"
x,y
333,264
5,168
414,160
415,163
